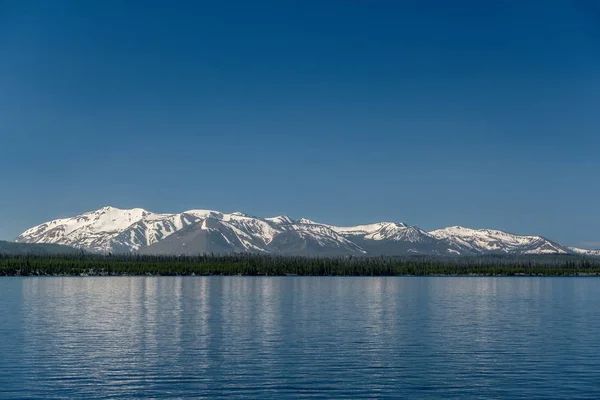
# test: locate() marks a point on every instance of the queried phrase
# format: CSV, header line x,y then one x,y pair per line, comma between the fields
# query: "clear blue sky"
x,y
435,113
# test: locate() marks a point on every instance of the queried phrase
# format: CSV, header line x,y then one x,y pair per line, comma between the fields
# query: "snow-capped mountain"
x,y
483,241
114,230
390,238
93,230
593,253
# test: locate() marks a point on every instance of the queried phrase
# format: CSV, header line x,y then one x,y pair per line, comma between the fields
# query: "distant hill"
x,y
35,248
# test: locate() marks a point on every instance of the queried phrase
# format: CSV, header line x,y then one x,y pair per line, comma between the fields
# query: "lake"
x,y
299,337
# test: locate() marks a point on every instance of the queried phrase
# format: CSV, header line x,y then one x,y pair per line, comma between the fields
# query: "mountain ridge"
x,y
36,249
113,230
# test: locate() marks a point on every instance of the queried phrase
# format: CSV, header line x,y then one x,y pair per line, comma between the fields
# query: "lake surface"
x,y
299,337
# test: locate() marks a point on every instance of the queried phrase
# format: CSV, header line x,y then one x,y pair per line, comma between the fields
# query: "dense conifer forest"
x,y
269,265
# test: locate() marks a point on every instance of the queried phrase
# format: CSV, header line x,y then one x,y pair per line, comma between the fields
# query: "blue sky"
x,y
434,113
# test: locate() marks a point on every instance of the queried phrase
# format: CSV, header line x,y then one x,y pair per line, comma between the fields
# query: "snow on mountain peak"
x,y
280,219
363,229
399,232
594,253
461,231
204,213
307,221
493,240
394,231
130,230
91,230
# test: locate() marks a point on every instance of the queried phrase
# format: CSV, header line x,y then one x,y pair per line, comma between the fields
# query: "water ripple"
x,y
297,337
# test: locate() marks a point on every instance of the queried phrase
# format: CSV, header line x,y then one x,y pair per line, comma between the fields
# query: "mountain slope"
x,y
92,231
241,233
34,248
114,230
390,239
489,241
191,232
593,253
209,235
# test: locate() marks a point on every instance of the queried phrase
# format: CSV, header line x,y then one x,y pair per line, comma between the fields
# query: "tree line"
x,y
275,265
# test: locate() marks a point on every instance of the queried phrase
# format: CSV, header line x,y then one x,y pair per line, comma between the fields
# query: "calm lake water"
x,y
296,337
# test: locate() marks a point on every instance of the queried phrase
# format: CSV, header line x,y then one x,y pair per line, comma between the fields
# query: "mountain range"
x,y
113,230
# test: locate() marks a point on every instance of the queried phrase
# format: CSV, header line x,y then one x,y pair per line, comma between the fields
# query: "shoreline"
x,y
522,275
272,265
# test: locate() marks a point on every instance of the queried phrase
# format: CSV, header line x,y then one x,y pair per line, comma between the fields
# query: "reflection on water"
x,y
244,337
